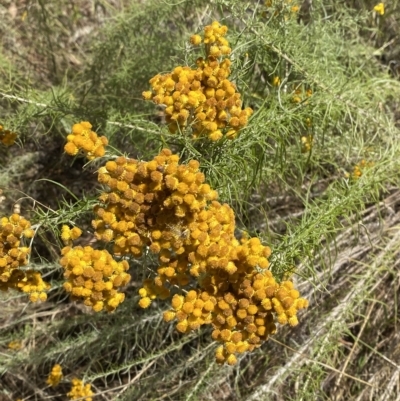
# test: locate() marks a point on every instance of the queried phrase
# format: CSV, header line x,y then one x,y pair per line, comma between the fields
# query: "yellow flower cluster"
x,y
286,3
68,235
149,203
55,376
244,302
80,391
358,169
168,208
15,345
380,8
94,276
307,143
276,81
299,95
202,98
13,256
33,284
84,139
7,137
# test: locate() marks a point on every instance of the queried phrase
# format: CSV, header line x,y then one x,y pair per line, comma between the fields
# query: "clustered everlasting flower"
x,y
168,208
276,81
286,4
13,256
85,140
301,96
15,345
7,137
202,99
80,391
380,8
94,276
70,234
358,169
307,143
55,376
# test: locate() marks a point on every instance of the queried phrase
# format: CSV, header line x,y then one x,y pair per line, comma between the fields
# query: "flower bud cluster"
x,y
248,302
276,80
202,99
94,276
70,234
32,283
151,291
192,310
15,345
80,391
288,6
380,8
216,44
7,137
55,376
307,142
13,256
168,208
85,140
359,168
300,96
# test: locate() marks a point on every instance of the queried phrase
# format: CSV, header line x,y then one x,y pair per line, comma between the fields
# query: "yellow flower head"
x,y
7,137
359,169
195,40
15,345
276,81
55,376
199,101
80,391
306,143
13,256
84,139
380,8
169,209
94,276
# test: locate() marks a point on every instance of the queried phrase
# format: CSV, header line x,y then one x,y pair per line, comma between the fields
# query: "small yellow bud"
x,y
231,360
145,302
169,315
147,95
195,40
